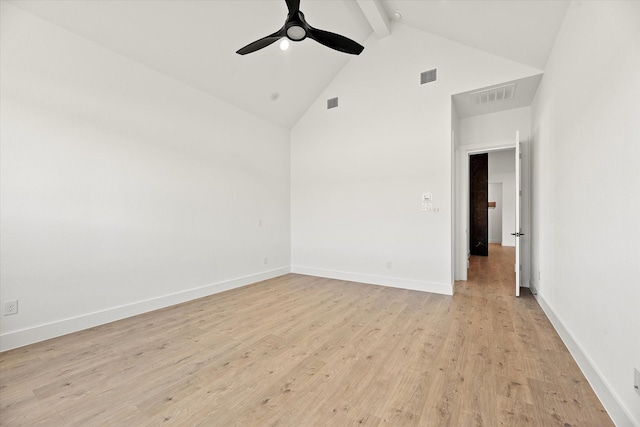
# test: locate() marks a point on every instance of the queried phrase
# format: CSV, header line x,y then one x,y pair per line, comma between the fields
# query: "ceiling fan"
x,y
296,29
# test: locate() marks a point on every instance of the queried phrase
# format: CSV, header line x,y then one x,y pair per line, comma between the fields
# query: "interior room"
x,y
172,179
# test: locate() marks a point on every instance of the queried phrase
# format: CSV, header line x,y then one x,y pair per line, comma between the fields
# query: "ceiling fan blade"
x,y
335,41
294,6
262,43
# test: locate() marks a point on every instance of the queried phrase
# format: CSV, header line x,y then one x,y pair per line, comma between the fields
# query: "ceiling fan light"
x,y
296,33
284,44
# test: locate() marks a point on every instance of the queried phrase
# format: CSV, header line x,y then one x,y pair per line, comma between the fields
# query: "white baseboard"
x,y
618,412
392,282
39,333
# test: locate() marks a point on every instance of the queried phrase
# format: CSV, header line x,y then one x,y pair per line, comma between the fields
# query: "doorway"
x,y
502,161
492,198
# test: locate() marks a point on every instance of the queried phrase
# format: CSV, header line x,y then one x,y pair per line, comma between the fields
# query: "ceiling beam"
x,y
377,17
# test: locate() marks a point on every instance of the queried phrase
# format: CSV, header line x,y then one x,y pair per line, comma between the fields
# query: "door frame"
x,y
461,197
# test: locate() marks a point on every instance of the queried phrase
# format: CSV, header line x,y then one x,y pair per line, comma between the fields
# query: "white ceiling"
x,y
521,30
194,41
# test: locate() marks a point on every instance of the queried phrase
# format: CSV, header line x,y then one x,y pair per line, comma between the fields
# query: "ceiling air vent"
x,y
501,93
332,103
428,76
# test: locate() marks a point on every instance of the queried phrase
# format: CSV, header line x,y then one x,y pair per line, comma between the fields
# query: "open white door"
x,y
517,233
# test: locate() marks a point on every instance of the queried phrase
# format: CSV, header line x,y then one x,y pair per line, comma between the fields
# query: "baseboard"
x,y
618,412
392,282
39,333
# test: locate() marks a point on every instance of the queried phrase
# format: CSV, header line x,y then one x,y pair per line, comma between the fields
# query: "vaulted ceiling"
x,y
194,41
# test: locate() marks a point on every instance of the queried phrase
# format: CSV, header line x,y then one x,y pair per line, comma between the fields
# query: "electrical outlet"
x,y
11,307
389,265
636,379
266,260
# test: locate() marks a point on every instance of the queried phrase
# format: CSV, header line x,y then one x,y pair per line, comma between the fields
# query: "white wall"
x,y
495,213
496,127
502,170
122,189
586,146
358,171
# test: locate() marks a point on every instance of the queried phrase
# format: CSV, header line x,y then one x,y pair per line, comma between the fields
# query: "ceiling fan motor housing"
x,y
296,29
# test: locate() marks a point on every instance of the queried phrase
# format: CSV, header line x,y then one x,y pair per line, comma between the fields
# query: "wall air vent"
x,y
496,94
332,103
428,76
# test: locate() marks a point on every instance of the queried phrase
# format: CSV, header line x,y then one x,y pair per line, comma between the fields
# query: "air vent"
x,y
332,103
428,76
496,94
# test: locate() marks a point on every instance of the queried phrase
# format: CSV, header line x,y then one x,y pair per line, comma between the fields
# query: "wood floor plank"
x,y
300,350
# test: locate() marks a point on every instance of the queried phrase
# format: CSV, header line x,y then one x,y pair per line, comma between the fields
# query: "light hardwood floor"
x,y
305,351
